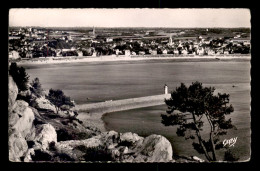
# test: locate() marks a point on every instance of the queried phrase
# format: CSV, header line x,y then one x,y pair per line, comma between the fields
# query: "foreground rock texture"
x,y
12,93
38,133
21,118
31,130
20,130
43,104
45,134
17,146
127,147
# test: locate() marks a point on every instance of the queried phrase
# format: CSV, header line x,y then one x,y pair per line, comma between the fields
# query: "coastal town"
x,y
130,85
36,42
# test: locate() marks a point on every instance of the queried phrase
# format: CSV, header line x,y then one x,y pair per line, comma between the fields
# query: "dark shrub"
x,y
98,153
58,98
80,121
63,135
22,158
125,143
20,77
63,157
26,98
65,122
38,122
36,87
41,156
30,144
82,136
52,115
230,156
52,146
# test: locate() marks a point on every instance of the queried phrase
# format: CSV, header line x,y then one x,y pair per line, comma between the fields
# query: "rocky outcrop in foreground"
x,y
126,147
38,133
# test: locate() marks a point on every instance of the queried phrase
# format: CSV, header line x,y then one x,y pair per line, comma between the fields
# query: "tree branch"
x,y
200,139
211,137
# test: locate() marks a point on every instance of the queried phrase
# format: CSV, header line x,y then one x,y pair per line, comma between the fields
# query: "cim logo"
x,y
230,142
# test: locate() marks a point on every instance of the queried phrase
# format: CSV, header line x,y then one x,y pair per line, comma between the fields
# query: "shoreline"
x,y
62,60
92,114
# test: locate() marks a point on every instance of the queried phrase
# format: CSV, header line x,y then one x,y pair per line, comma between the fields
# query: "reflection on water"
x,y
87,83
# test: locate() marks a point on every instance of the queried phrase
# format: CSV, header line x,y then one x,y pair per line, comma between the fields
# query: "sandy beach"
x,y
76,59
91,114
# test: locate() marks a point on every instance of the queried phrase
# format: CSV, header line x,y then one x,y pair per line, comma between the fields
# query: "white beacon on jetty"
x,y
165,89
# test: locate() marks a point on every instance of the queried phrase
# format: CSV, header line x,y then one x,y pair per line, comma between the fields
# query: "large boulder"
x,y
43,104
45,134
109,138
21,118
12,92
126,147
76,149
130,138
154,148
17,146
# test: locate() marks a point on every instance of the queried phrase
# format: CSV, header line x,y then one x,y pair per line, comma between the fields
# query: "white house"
x,y
14,37
175,51
164,51
196,45
80,53
200,51
190,47
117,51
29,55
127,53
109,39
211,52
14,55
184,52
66,50
154,52
226,52
207,42
141,53
133,53
94,53
246,43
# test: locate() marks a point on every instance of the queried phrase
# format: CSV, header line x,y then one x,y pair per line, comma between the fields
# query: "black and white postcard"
x,y
129,85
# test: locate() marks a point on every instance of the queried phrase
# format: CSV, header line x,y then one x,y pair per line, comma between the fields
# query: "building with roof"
x,y
127,53
14,55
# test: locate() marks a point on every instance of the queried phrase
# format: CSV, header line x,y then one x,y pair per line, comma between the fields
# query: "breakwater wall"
x,y
91,114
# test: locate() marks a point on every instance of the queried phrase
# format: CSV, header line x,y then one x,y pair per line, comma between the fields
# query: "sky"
x,y
226,18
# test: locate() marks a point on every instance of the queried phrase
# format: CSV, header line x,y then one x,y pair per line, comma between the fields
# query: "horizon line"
x,y
124,27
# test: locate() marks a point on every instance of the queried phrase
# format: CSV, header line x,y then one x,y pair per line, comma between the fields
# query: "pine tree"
x,y
58,98
189,106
